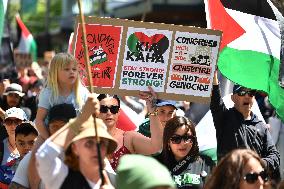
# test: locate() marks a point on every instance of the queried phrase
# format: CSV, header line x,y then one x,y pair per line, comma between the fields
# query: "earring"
x,y
169,148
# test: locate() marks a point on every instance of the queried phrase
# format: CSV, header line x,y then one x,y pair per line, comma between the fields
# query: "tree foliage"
x,y
36,21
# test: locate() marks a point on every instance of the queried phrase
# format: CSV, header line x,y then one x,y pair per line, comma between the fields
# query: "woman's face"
x,y
181,142
10,124
165,113
253,166
109,118
86,150
13,99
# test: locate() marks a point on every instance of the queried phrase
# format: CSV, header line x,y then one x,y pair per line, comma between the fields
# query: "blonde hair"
x,y
58,62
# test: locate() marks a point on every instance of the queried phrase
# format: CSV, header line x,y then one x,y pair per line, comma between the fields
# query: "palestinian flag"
x,y
27,43
250,48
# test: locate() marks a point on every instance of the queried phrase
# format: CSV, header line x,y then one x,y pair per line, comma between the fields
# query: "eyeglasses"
x,y
113,109
176,139
12,121
251,178
251,93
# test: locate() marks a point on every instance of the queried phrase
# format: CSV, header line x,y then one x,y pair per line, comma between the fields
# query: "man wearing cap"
x,y
8,150
239,127
165,110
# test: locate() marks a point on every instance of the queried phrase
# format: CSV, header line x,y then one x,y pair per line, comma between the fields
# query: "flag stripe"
x,y
2,16
231,29
256,64
27,43
25,31
261,72
259,34
254,7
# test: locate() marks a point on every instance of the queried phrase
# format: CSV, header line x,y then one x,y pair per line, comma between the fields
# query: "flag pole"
x,y
88,69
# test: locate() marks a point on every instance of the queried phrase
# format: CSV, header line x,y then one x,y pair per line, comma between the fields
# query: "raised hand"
x,y
107,184
91,107
150,97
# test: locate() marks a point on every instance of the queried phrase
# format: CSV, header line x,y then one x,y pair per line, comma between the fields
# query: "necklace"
x,y
12,148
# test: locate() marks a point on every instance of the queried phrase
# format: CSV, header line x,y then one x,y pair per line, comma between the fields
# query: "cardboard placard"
x,y
128,56
22,59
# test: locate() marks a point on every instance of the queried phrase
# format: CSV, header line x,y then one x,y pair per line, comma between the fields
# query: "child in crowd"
x,y
25,135
63,86
58,116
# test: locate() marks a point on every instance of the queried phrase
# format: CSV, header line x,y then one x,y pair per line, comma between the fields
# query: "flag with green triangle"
x,y
27,43
250,47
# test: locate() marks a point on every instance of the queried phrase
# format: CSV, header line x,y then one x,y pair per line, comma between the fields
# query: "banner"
x,y
126,57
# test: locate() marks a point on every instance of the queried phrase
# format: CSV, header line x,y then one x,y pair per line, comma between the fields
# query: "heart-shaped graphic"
x,y
151,40
160,40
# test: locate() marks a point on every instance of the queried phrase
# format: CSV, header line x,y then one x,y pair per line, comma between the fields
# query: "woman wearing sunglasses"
x,y
239,169
131,142
181,154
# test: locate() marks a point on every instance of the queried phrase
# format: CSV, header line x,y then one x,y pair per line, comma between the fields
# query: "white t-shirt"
x,y
44,98
52,169
21,175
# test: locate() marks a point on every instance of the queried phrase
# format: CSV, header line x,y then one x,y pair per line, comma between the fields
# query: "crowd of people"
x,y
56,134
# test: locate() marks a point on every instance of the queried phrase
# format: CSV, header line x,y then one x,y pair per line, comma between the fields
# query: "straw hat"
x,y
87,129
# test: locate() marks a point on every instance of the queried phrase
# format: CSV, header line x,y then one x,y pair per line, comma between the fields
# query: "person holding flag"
x,y
239,127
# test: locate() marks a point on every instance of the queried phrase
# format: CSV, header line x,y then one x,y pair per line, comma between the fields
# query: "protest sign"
x,y
145,59
103,47
191,65
126,57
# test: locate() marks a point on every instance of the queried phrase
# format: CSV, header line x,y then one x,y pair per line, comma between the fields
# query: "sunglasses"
x,y
176,139
113,109
12,121
251,178
251,93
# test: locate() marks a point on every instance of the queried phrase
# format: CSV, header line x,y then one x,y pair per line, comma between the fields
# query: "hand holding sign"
x,y
150,98
107,184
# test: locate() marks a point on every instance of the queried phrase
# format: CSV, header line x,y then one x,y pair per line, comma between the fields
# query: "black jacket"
x,y
232,132
75,180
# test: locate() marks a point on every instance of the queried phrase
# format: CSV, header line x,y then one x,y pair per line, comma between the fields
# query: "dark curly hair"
x,y
171,127
103,96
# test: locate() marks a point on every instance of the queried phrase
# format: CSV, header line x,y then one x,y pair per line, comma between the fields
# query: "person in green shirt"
x,y
165,110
